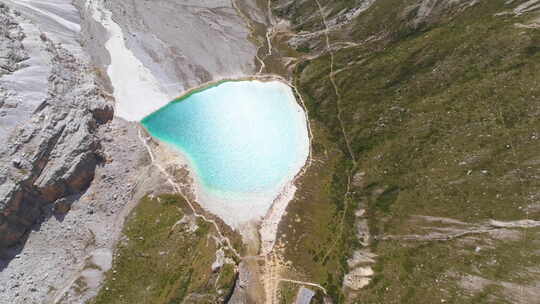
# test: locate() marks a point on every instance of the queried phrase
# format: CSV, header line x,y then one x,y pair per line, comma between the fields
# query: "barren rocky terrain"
x,y
422,185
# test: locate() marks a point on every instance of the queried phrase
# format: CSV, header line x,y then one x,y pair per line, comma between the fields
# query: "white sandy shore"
x,y
242,210
236,210
243,213
270,223
136,90
138,93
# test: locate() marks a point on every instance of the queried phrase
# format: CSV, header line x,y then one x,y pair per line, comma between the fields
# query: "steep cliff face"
x,y
50,146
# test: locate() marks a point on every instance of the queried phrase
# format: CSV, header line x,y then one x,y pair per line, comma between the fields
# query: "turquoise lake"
x,y
240,137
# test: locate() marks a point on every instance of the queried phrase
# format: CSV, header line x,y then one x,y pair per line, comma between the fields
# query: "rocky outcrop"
x,y
240,293
431,11
304,295
12,53
55,152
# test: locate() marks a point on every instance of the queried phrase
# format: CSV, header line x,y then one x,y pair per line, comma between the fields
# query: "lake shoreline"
x,y
265,211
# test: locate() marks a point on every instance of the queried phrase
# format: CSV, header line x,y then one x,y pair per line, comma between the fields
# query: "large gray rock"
x,y
304,295
240,293
12,52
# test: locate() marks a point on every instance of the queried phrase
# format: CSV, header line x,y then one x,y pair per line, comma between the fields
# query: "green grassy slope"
x,y
162,260
442,116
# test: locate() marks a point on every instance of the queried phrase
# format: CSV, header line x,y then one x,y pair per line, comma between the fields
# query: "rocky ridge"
x,y
12,52
54,154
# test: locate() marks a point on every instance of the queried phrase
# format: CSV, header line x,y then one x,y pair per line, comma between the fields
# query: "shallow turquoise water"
x,y
240,137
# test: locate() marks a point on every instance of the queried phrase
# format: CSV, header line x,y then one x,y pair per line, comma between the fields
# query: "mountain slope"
x,y
428,110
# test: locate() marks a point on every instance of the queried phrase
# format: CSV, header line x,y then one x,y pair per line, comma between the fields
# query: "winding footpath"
x,y
345,136
333,81
222,238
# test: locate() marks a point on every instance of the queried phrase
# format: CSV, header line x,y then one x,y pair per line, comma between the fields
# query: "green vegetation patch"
x,y
437,272
166,257
315,232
